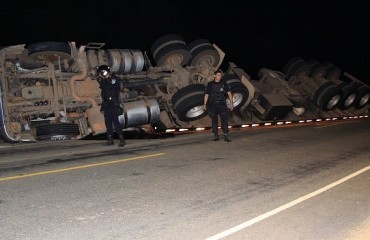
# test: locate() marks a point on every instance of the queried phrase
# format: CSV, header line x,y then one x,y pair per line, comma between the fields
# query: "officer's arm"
x,y
230,95
205,99
206,96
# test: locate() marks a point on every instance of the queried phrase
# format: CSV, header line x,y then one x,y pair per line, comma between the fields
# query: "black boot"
x,y
215,138
226,138
122,141
109,141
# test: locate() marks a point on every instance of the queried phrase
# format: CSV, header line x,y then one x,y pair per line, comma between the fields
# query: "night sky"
x,y
259,34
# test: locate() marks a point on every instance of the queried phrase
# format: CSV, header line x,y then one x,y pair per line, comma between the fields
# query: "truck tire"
x,y
188,102
238,89
327,96
28,63
170,49
290,63
49,51
300,68
186,91
332,71
317,69
348,95
362,97
203,53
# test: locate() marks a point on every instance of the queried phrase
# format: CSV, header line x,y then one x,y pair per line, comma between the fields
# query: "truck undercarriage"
x,y
49,90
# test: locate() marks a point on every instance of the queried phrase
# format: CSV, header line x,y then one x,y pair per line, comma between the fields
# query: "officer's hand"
x,y
231,107
204,107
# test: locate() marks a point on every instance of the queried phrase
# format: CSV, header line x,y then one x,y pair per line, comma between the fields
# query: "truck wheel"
x,y
238,89
348,95
49,51
203,53
327,96
188,102
170,49
186,91
28,63
332,71
296,66
363,96
317,69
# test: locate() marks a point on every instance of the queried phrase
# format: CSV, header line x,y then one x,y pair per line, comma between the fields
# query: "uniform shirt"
x,y
217,91
110,90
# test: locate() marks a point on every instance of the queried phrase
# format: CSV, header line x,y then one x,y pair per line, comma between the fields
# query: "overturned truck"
x,y
49,90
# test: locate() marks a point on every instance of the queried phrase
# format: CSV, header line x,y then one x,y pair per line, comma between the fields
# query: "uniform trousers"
x,y
111,119
219,109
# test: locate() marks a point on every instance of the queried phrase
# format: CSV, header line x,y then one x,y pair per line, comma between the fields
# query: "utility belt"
x,y
110,99
219,102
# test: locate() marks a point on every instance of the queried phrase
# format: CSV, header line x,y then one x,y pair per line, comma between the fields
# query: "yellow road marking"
x,y
78,167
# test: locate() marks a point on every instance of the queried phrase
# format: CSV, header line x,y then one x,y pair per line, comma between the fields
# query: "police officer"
x,y
216,93
110,91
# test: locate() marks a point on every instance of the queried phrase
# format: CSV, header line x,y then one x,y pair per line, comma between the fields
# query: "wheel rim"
x,y
237,99
365,99
349,100
195,112
333,101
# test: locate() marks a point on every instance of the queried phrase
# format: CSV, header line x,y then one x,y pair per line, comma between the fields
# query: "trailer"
x,y
50,90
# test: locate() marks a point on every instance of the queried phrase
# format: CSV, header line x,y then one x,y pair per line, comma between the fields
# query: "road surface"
x,y
307,181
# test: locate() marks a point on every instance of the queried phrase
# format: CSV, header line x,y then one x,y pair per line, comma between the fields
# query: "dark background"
x,y
252,34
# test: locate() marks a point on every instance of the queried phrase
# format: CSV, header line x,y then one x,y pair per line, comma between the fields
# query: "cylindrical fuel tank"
x,y
139,113
120,61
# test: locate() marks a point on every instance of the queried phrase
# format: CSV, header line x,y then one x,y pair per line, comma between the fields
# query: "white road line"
x,y
284,207
5,146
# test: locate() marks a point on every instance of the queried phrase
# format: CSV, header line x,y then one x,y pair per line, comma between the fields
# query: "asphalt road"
x,y
306,181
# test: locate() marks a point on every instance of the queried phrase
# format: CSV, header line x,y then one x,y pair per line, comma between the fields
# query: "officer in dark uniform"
x,y
216,93
110,91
